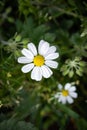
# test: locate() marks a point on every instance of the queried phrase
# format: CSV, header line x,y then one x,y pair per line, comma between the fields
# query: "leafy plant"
x,y
26,104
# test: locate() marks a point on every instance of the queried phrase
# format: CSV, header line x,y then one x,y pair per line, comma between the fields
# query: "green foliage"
x,y
82,124
73,65
28,105
25,103
33,32
80,45
12,124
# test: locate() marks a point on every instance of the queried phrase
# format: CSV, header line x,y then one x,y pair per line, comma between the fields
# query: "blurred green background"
x,y
25,104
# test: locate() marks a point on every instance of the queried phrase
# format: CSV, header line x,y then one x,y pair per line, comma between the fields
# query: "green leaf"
x,y
78,72
65,72
81,124
68,111
71,73
13,124
18,38
50,37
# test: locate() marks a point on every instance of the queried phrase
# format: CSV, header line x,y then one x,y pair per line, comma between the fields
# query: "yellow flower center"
x,y
65,93
38,60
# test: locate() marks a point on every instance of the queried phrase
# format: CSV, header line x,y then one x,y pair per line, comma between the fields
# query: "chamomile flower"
x,y
66,94
39,61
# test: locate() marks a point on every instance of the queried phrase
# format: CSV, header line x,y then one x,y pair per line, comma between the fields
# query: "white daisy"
x,y
39,60
66,94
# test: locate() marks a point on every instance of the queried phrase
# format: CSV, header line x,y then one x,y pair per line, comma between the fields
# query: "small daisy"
x,y
39,60
66,94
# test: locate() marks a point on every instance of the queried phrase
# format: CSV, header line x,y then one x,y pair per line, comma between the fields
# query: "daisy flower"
x,y
39,61
66,94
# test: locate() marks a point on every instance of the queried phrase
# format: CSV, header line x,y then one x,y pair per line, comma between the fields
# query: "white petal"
x,y
27,53
69,99
36,74
72,89
51,49
57,95
27,68
60,86
52,64
24,60
32,48
43,47
52,56
46,71
73,94
62,99
67,86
